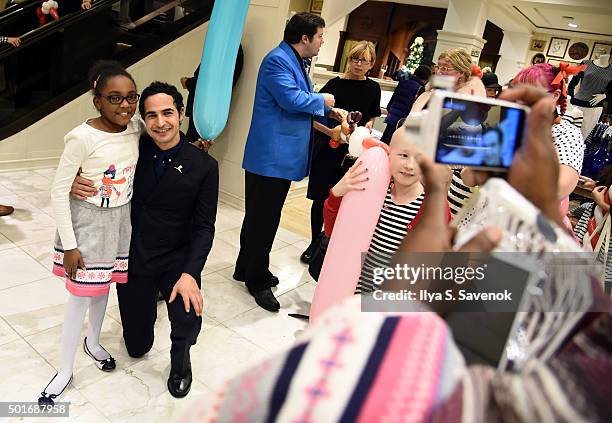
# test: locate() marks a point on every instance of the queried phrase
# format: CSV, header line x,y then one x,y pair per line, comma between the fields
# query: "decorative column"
x,y
463,27
513,51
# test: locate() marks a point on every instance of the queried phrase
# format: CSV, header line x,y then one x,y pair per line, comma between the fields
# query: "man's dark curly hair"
x,y
158,87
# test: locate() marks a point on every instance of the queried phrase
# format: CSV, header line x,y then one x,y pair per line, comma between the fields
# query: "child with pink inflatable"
x,y
400,211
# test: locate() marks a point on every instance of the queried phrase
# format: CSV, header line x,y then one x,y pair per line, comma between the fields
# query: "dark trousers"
x,y
138,308
316,219
387,134
192,133
264,200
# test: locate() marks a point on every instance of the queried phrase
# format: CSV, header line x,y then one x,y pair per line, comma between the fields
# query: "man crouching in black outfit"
x,y
174,206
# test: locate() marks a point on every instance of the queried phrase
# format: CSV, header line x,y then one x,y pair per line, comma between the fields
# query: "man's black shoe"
x,y
272,282
178,384
306,256
266,299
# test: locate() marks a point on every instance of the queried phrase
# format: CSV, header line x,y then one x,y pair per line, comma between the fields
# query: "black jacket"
x,y
191,83
173,221
403,97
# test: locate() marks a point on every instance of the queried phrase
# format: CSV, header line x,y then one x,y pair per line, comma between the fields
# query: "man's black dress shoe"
x,y
178,384
272,282
266,299
306,256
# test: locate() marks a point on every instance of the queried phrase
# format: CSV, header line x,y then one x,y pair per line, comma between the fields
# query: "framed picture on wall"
x,y
316,6
599,49
558,47
537,45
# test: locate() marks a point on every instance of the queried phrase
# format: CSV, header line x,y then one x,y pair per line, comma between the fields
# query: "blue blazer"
x,y
279,141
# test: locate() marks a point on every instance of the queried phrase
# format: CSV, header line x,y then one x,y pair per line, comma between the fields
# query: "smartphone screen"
x,y
478,134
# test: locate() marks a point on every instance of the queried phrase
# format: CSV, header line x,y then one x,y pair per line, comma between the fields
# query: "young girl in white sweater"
x,y
93,236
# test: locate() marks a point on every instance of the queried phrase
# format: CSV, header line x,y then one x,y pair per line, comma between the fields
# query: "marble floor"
x,y
236,333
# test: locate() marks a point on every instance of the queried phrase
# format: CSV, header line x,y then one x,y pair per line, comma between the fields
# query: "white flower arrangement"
x,y
416,54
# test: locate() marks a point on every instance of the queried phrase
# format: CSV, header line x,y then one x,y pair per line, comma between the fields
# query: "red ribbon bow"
x,y
565,70
476,71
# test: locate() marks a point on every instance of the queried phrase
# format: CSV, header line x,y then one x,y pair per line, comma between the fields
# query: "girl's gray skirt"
x,y
103,238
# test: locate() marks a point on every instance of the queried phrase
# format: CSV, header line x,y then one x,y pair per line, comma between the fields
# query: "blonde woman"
x,y
455,62
353,91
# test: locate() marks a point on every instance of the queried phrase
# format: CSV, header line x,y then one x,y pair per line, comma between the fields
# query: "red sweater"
x,y
332,205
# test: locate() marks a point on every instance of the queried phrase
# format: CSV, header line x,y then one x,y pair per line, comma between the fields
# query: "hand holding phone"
x,y
458,129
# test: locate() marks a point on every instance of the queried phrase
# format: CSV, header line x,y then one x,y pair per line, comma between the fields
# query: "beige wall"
x,y
296,6
327,54
513,50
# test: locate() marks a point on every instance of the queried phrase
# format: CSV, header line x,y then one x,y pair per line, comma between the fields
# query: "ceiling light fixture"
x,y
571,22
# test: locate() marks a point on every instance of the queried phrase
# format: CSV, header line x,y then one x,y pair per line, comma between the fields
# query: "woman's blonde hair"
x,y
460,60
363,49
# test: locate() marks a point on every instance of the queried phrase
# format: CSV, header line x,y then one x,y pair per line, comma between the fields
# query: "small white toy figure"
x,y
48,7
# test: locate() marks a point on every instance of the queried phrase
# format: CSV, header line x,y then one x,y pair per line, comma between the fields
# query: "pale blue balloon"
x,y
214,88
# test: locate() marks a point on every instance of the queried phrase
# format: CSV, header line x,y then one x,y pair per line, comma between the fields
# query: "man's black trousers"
x,y
138,308
264,200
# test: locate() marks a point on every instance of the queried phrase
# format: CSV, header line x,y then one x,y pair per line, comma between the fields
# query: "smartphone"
x,y
482,133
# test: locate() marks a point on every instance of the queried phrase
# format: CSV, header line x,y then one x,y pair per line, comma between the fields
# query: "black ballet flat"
x,y
107,365
48,399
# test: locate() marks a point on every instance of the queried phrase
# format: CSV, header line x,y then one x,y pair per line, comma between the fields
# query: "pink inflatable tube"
x,y
353,231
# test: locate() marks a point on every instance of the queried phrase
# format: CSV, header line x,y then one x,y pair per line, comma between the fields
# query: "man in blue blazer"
x,y
278,148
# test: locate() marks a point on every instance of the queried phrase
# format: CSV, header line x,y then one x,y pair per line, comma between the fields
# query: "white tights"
x,y
71,333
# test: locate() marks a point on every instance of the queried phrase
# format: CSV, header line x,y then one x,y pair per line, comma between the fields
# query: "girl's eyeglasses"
x,y
118,99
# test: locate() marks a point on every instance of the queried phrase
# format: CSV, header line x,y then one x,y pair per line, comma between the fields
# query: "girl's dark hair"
x,y
101,71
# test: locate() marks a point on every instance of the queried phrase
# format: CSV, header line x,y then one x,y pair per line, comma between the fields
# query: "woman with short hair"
x,y
353,91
